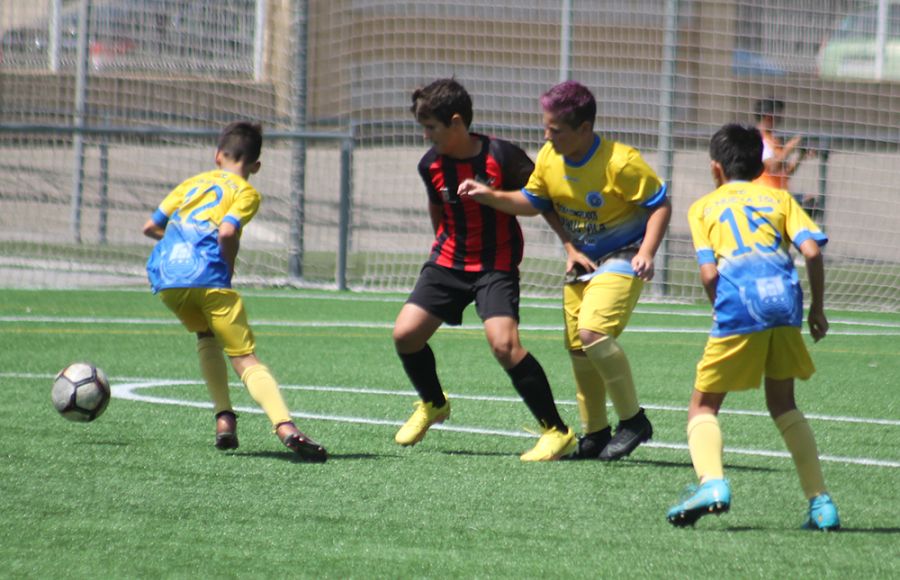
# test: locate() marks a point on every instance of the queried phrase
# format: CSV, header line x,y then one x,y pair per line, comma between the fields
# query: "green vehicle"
x,y
851,51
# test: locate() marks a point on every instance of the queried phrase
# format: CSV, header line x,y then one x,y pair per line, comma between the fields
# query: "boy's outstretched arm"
x,y
815,270
511,202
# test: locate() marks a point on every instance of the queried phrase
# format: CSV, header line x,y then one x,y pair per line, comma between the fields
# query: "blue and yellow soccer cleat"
x,y
553,444
425,415
823,515
712,497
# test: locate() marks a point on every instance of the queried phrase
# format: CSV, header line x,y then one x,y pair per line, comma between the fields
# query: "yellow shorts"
x,y
603,304
739,362
218,309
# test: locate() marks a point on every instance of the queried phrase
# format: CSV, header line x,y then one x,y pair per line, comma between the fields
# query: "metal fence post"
x,y
666,142
298,154
81,78
259,40
103,190
565,41
344,216
54,35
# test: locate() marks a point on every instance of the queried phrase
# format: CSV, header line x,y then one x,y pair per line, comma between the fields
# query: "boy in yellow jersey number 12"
x,y
198,226
741,233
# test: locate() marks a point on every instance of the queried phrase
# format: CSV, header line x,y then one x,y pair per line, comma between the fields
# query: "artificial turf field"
x,y
141,492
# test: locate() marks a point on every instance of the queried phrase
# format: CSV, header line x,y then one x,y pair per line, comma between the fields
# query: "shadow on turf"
x,y
682,464
846,530
843,530
288,456
480,453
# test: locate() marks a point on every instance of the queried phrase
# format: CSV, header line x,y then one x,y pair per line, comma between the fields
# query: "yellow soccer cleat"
x,y
422,418
553,444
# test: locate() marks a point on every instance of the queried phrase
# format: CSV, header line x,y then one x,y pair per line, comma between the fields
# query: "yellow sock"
x,y
705,443
264,390
801,442
591,395
215,372
612,365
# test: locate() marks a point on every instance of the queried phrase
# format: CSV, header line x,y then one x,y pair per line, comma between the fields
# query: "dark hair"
x,y
738,149
769,106
441,100
241,141
571,102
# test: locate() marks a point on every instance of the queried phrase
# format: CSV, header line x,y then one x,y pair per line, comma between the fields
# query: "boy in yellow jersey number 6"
x,y
198,226
741,233
610,210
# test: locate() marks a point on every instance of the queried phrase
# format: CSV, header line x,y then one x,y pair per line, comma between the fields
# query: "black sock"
x,y
530,381
422,372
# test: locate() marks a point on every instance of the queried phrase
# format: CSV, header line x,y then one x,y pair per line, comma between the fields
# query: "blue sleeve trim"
x,y
804,235
540,203
233,221
706,256
159,218
658,198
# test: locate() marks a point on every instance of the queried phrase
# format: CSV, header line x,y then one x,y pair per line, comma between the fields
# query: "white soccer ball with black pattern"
x,y
80,392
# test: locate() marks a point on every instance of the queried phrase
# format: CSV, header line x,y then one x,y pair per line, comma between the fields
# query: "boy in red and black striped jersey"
x,y
475,257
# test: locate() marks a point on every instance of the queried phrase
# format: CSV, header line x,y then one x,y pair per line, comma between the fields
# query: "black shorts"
x,y
445,293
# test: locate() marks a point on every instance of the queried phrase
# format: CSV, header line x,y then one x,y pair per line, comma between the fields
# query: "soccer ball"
x,y
80,392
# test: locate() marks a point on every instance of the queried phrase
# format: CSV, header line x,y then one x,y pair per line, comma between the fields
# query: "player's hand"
x,y
818,324
793,142
474,189
643,266
577,263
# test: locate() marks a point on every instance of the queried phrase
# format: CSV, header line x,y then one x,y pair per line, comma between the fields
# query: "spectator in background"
x,y
781,160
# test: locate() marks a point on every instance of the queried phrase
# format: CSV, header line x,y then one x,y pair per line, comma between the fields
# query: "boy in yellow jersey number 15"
x,y
741,233
198,226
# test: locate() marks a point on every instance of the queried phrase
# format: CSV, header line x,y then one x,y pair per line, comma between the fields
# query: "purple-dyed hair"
x,y
571,102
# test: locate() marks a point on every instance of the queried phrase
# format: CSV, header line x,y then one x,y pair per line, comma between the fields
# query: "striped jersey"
x,y
473,237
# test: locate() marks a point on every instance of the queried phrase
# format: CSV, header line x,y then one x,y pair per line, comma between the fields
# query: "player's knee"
x,y
589,337
505,351
241,363
780,396
407,340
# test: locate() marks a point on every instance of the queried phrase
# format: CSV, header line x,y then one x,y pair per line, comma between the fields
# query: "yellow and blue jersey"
x,y
188,255
745,229
603,200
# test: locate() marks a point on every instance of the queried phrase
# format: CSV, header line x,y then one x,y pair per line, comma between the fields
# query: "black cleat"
x,y
305,448
590,445
629,434
226,431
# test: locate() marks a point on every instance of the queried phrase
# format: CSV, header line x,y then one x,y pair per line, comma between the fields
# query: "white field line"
x,y
128,391
485,398
389,325
536,303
